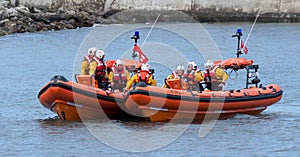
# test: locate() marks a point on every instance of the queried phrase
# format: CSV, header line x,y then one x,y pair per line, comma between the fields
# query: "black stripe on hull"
x,y
197,99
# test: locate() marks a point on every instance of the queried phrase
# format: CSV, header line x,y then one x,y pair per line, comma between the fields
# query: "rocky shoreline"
x,y
20,19
16,18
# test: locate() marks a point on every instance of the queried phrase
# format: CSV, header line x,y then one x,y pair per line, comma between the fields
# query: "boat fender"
x,y
59,77
274,90
245,93
230,94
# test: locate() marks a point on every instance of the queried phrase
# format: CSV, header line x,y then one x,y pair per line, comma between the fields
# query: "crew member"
x,y
119,76
85,64
143,75
193,77
178,74
98,68
214,76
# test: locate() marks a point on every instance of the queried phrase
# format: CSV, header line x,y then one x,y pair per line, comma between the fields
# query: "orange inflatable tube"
x,y
74,101
159,104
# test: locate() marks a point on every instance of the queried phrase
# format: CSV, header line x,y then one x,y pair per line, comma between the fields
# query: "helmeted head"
x,y
191,66
209,64
119,64
180,70
92,51
100,54
145,67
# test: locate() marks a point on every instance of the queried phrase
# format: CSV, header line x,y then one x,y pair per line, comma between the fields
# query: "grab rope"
x,y
236,75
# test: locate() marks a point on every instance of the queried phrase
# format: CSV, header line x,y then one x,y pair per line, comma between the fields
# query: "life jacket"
x,y
119,78
144,76
190,77
210,75
88,59
101,68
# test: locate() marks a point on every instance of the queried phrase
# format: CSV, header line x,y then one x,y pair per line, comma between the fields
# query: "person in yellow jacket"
x,y
144,75
87,60
193,77
214,76
178,74
97,61
119,76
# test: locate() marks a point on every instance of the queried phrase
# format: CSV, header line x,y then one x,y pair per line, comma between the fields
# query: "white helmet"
x,y
145,67
119,62
100,54
193,64
92,51
180,67
209,64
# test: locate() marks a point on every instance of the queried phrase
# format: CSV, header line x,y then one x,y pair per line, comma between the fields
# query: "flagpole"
x,y
252,27
150,30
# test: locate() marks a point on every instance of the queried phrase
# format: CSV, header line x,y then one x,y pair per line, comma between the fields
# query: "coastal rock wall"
x,y
247,6
42,15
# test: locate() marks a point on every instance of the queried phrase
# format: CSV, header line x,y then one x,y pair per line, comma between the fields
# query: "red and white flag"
x,y
244,47
142,57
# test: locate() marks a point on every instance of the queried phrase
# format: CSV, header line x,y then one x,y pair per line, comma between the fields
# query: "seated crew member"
x,y
178,74
143,75
119,76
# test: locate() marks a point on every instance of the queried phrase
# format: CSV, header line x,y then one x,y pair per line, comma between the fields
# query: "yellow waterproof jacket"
x,y
198,76
93,67
221,75
135,79
85,67
168,78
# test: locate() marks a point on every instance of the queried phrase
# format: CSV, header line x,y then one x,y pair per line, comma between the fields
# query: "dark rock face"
x,y
18,16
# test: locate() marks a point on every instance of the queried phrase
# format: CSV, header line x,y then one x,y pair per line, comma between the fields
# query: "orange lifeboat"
x,y
162,104
74,101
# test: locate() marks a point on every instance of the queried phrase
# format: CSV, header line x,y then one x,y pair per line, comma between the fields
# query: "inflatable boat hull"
x,y
73,101
160,104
